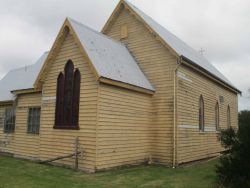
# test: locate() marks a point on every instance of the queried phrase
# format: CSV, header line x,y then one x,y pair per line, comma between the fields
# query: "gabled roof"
x,y
110,58
177,45
20,79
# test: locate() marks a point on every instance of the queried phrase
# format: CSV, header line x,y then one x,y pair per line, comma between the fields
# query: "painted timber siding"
x,y
121,124
124,124
20,143
56,142
158,64
191,143
26,145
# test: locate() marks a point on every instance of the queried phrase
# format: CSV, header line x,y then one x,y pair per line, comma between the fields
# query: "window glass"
x,y
34,120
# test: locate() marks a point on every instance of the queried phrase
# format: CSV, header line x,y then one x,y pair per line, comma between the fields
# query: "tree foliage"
x,y
233,169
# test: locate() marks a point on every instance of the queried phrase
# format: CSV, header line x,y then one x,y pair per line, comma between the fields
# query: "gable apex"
x,y
108,58
175,45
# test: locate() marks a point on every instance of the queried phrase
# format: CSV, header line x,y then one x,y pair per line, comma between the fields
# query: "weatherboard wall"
x,y
58,142
20,143
120,126
26,145
124,124
193,144
158,64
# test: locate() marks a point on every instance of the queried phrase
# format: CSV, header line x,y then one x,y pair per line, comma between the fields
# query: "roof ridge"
x,y
110,58
179,46
132,5
26,66
95,31
20,68
20,78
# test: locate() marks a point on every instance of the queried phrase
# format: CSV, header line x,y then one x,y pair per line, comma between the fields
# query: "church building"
x,y
133,93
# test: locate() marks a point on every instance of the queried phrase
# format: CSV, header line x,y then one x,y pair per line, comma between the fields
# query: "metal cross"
x,y
201,51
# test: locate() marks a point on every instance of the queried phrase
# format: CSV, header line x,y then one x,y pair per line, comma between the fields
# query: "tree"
x,y
233,169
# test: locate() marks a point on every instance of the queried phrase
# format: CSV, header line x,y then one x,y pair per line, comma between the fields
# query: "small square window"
x,y
34,120
221,99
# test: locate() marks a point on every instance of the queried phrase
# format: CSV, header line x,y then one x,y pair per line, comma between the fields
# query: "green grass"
x,y
24,174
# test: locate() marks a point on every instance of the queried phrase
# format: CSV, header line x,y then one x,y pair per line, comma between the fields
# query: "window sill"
x,y
67,127
8,132
202,132
206,132
31,133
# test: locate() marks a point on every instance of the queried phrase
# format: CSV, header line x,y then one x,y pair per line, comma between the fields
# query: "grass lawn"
x,y
24,174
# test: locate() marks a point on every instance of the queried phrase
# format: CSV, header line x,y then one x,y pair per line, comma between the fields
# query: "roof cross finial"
x,y
201,51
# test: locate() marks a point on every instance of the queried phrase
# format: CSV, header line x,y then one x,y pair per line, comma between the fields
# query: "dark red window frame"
x,y
67,98
217,116
201,114
228,117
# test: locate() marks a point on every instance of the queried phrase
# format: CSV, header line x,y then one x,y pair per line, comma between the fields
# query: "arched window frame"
x,y
217,116
228,117
201,114
68,93
59,100
76,97
68,98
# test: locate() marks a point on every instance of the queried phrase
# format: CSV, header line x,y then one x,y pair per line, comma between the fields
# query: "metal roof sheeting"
x,y
110,58
19,79
180,47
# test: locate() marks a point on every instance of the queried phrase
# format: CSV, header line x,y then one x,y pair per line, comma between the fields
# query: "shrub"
x,y
233,169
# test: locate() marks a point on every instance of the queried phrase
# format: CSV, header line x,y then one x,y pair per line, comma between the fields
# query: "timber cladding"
x,y
121,123
20,142
124,124
60,142
159,65
192,143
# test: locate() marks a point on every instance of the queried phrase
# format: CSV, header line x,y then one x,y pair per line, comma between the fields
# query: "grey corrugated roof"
x,y
180,47
21,78
110,58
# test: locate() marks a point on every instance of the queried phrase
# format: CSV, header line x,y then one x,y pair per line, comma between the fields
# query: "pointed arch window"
x,y
217,116
67,98
201,114
228,117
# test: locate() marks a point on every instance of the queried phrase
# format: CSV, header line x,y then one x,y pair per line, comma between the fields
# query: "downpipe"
x,y
179,61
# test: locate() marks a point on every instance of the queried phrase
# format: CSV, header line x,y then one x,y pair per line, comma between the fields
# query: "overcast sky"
x,y
221,28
